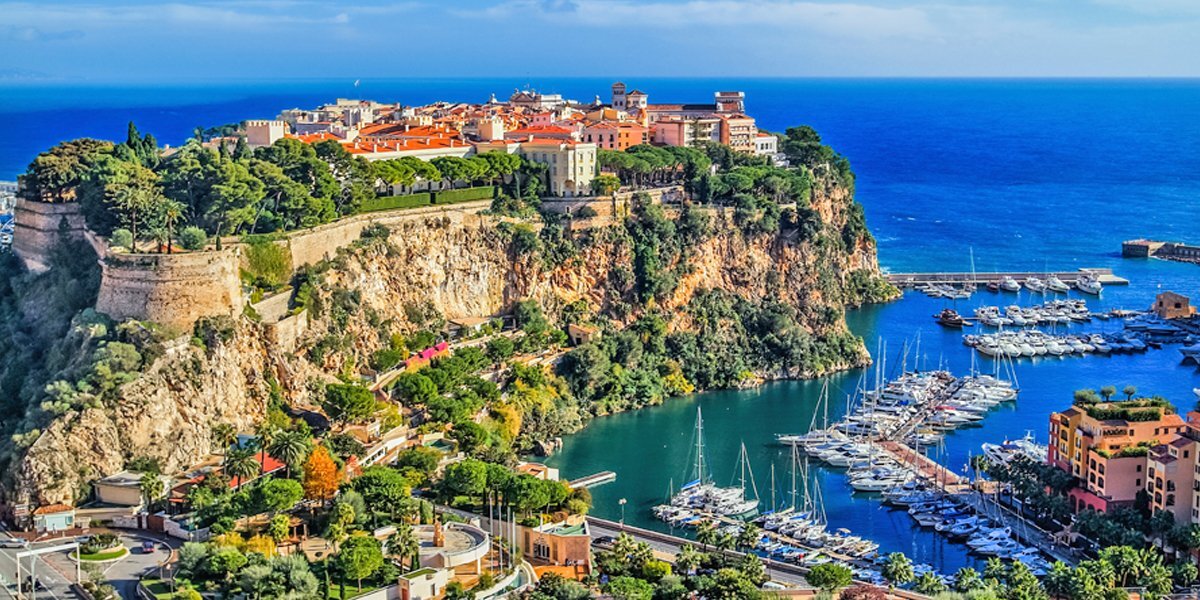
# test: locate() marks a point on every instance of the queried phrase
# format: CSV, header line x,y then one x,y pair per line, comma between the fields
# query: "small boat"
x,y
1035,284
950,318
993,286
1191,353
1009,284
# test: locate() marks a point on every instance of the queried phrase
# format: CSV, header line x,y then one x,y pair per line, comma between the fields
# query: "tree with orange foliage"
x,y
321,476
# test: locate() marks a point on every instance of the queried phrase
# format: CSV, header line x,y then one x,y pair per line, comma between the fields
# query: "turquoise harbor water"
x,y
1028,174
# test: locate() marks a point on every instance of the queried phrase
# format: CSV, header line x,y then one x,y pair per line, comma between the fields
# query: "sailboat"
x,y
704,495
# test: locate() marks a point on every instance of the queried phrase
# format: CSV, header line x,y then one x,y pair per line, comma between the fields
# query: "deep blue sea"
x,y
1026,174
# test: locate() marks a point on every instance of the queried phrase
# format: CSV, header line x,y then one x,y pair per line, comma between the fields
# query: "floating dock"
x,y
1105,276
594,480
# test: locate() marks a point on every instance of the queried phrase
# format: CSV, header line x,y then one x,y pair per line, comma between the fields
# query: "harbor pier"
x,y
593,480
903,280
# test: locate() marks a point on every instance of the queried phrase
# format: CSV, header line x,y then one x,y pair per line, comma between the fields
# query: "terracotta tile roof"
x,y
540,130
51,509
401,145
616,125
312,138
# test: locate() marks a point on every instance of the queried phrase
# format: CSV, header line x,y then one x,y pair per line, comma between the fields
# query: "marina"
x,y
622,442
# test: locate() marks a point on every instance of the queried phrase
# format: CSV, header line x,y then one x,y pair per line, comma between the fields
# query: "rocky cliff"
x,y
376,287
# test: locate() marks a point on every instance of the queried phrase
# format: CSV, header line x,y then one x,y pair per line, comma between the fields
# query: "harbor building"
x,y
1105,447
1169,305
1143,248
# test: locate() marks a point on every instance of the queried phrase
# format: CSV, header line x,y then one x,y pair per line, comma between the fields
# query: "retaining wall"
x,y
311,246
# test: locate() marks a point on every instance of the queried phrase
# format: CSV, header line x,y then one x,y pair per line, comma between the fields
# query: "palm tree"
x,y
291,447
706,533
172,212
405,545
687,559
152,487
929,584
897,569
264,435
967,579
223,436
748,536
240,463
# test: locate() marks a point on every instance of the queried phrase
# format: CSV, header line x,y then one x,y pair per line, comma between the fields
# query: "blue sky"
x,y
122,40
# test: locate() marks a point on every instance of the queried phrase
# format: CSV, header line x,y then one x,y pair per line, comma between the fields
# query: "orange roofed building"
x,y
614,135
1105,447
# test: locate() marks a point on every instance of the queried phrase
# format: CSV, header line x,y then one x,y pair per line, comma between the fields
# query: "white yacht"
x,y
1054,284
1009,284
1035,284
1088,284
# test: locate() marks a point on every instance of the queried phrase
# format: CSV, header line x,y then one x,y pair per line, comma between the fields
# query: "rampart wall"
x,y
36,228
171,289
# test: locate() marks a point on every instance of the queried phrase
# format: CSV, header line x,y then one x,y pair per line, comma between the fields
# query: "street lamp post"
x,y
622,503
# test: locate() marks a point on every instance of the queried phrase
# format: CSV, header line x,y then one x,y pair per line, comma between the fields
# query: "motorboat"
x,y
1191,353
1009,284
1035,284
950,318
1054,284
1089,284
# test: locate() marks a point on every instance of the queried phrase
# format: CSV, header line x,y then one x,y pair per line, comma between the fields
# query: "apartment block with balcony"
x,y
1171,478
1105,446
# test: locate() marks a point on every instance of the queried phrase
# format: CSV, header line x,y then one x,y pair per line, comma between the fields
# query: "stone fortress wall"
x,y
178,289
171,289
36,229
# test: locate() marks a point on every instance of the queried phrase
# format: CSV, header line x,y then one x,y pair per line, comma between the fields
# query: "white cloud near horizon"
x,y
313,38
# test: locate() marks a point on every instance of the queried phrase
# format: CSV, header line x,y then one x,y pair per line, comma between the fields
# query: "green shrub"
x,y
121,237
192,238
268,265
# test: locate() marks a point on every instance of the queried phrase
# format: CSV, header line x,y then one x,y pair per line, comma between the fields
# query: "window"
x,y
1170,499
1137,483
1139,468
541,550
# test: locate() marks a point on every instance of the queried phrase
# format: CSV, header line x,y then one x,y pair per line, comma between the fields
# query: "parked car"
x,y
148,547
604,541
14,543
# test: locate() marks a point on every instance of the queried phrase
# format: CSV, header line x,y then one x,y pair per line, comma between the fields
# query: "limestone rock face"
x,y
460,268
166,414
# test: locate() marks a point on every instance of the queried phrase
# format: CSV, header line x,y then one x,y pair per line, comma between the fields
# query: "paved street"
x,y
56,570
54,583
785,573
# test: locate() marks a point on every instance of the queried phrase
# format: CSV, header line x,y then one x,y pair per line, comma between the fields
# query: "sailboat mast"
x,y
794,461
774,506
699,445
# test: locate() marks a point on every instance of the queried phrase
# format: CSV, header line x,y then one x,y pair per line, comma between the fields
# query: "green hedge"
x,y
483,192
394,202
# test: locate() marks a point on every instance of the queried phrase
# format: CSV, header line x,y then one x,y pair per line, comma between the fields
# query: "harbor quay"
x,y
904,280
